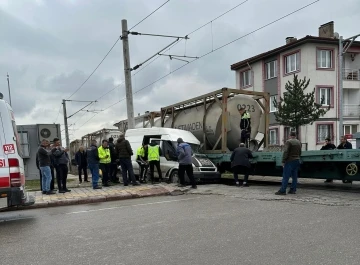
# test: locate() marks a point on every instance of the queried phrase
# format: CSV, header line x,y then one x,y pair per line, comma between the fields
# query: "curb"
x,y
123,195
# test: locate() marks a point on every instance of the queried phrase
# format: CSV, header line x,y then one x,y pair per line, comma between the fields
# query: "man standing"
x,y
154,153
328,145
93,163
291,164
61,160
113,164
124,152
105,161
52,186
184,153
240,164
245,125
141,158
43,155
344,144
81,162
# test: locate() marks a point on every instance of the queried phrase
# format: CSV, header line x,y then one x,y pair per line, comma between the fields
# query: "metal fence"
x,y
351,74
280,148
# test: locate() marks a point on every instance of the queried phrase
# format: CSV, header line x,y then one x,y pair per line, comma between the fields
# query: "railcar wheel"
x,y
351,169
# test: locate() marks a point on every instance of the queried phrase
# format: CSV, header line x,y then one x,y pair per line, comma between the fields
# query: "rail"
x,y
351,74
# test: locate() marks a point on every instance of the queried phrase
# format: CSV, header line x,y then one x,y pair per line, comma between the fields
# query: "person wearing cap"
x,y
291,164
184,154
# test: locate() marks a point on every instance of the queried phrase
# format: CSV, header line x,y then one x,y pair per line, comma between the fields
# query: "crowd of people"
x,y
103,161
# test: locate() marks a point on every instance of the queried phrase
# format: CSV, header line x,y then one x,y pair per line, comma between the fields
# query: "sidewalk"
x,y
85,195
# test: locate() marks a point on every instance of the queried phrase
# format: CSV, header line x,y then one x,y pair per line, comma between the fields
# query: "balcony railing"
x,y
351,110
351,74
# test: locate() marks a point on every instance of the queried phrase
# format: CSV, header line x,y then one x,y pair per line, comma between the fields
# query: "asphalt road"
x,y
190,229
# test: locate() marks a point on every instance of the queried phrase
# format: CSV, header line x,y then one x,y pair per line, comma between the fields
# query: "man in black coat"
x,y
81,162
240,164
52,187
113,164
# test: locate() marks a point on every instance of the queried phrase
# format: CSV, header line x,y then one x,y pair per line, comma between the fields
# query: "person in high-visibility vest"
x,y
105,160
245,125
141,158
154,153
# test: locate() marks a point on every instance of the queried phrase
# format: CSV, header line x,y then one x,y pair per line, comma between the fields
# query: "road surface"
x,y
188,229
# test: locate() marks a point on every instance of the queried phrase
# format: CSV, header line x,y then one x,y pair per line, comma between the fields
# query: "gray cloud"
x,y
49,49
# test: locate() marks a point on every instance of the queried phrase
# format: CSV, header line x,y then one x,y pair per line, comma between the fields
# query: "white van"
x,y
166,138
12,174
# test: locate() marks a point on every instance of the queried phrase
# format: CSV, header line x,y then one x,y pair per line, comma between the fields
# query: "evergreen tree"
x,y
297,108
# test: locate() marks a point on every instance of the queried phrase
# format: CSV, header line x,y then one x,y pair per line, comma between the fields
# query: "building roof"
x,y
307,39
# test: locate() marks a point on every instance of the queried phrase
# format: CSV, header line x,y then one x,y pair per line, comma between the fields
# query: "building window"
x,y
245,78
273,107
24,143
273,137
287,131
324,96
270,68
324,131
324,59
292,63
350,129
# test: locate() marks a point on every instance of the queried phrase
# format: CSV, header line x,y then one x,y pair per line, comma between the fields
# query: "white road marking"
x,y
134,205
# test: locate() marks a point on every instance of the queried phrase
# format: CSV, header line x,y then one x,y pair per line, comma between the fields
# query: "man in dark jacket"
x,y
52,186
240,164
113,164
44,160
93,163
328,145
61,160
291,164
184,154
81,162
344,144
123,153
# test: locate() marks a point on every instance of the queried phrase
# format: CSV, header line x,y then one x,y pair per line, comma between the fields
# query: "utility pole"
x,y
127,71
342,50
66,124
8,81
341,105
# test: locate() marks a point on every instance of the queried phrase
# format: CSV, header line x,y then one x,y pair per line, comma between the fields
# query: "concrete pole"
x,y
8,81
66,130
341,75
127,71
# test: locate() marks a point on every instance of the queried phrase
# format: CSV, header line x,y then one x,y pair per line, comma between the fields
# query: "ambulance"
x,y
12,174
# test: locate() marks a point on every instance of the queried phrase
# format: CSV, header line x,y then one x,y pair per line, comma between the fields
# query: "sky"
x,y
49,48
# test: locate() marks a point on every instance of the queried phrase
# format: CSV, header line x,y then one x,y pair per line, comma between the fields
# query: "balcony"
x,y
351,110
351,78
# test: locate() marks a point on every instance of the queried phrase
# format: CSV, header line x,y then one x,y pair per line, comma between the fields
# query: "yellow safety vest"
x,y
153,153
102,154
246,115
140,152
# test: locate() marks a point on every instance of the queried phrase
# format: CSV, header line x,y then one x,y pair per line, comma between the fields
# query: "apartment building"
x,y
316,58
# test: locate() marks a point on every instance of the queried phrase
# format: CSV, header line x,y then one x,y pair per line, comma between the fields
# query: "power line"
x,y
206,54
150,14
58,114
112,47
117,40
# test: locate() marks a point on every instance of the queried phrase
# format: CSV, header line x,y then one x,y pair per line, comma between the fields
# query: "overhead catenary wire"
x,y
214,50
112,47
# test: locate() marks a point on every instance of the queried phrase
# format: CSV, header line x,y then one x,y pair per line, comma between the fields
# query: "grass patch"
x,y
34,184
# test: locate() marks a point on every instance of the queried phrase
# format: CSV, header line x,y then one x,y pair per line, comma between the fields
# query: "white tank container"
x,y
192,120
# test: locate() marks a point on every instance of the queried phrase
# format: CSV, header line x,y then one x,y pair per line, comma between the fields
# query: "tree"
x,y
297,108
